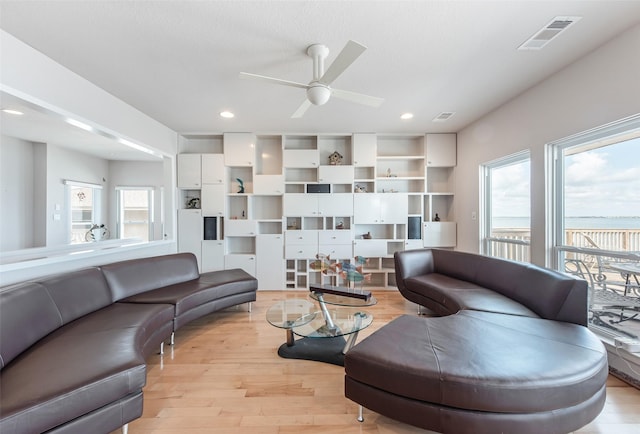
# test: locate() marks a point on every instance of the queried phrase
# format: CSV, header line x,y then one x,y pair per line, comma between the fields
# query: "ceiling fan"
x,y
319,90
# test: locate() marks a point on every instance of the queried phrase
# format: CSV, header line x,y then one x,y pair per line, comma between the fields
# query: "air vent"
x,y
443,116
548,32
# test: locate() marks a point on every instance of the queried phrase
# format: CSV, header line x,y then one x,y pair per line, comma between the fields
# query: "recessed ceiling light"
x,y
13,112
406,116
226,114
79,124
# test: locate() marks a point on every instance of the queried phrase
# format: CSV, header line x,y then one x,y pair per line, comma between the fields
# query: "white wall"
x,y
137,174
16,193
602,87
32,76
64,164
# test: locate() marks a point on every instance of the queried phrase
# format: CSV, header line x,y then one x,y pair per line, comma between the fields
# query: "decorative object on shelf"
x,y
354,273
335,159
366,236
193,202
340,225
359,189
390,190
322,264
97,233
391,175
436,218
241,186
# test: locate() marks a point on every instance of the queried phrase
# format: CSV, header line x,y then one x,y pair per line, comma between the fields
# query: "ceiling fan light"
x,y
318,94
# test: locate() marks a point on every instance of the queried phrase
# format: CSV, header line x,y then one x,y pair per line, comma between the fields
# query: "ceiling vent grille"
x,y
543,36
443,116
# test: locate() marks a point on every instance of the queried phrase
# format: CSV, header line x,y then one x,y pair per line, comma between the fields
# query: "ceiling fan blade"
x,y
249,76
302,109
346,57
359,98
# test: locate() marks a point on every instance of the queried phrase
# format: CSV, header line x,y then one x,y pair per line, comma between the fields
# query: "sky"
x,y
603,182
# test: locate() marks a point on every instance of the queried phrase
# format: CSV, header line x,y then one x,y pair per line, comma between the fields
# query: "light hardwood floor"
x,y
223,375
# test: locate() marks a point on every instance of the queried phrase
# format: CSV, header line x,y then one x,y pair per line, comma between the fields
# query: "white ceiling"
x,y
178,61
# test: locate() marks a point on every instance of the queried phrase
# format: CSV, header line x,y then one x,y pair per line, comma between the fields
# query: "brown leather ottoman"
x,y
480,372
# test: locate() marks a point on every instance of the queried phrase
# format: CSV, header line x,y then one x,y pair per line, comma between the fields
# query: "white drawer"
x,y
335,237
337,251
300,237
302,251
240,228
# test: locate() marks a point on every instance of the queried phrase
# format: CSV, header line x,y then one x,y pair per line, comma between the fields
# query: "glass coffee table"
x,y
327,329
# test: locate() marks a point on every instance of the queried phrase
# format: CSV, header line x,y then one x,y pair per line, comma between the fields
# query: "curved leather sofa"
x,y
509,353
73,346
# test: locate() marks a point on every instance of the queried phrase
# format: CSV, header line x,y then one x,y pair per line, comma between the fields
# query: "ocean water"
x,y
575,222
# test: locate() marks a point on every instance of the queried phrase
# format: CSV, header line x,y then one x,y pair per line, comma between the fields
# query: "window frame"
x,y
486,240
150,209
615,132
96,207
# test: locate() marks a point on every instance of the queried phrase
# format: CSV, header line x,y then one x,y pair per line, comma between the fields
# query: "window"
x,y
84,202
596,217
135,212
506,228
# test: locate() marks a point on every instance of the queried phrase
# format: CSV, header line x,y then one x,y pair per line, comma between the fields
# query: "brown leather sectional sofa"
x,y
509,353
73,346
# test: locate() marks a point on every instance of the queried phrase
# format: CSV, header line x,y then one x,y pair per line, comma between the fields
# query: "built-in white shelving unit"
x,y
270,203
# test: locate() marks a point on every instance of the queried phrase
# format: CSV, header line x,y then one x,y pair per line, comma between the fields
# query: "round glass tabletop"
x,y
342,322
284,314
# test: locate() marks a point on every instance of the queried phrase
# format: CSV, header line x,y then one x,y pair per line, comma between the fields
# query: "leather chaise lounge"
x,y
509,352
73,346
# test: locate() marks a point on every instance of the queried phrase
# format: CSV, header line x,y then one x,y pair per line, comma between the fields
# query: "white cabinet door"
x,y
213,170
364,150
240,228
212,256
213,200
439,234
190,232
370,248
335,204
441,150
189,171
245,261
239,149
268,184
366,208
336,174
301,158
413,244
269,262
384,208
300,204
393,208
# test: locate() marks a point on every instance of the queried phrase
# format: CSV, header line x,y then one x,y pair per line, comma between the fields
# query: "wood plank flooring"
x,y
223,375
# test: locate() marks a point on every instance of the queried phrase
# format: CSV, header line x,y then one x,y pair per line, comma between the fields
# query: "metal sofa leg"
x,y
161,348
360,417
125,428
173,338
249,307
